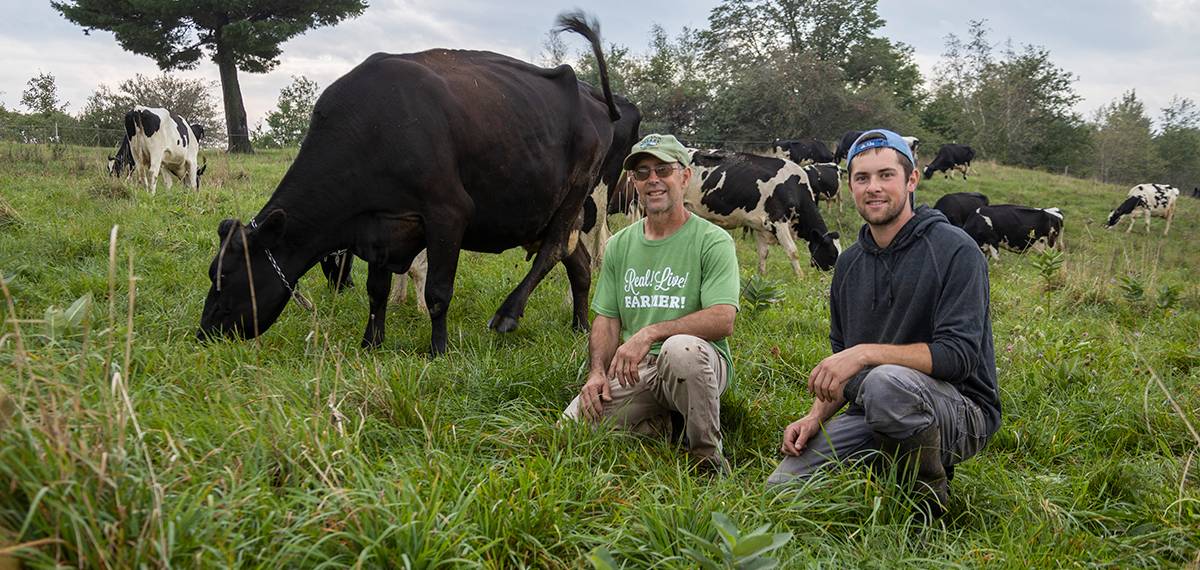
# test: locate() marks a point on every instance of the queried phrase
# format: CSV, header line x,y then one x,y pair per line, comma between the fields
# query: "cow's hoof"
x,y
371,344
503,324
580,326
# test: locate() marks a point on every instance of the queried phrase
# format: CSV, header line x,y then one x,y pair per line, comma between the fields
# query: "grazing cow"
x,y
824,179
121,162
160,139
1196,192
960,206
913,143
1015,228
441,150
843,147
801,151
770,196
956,156
1146,200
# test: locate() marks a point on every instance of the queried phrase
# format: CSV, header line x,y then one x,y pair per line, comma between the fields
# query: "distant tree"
x,y
191,99
237,34
1178,143
554,50
287,124
1124,150
1016,107
668,84
41,95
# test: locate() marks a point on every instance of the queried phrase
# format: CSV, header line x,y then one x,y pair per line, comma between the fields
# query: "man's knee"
x,y
894,402
686,357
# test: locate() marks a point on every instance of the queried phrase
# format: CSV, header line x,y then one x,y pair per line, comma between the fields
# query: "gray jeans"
x,y
896,402
687,376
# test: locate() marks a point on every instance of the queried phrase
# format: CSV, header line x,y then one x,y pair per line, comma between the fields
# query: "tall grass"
x,y
124,443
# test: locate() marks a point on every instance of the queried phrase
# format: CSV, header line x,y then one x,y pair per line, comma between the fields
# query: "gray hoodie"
x,y
929,285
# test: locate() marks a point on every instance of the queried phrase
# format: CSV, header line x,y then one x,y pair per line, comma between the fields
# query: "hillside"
x,y
299,449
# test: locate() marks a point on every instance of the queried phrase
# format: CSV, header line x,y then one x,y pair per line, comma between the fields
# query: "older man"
x,y
665,302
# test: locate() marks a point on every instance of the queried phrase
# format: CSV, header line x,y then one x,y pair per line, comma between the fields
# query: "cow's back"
x,y
510,132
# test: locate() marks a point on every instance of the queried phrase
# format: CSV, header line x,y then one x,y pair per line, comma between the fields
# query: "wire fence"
x,y
55,133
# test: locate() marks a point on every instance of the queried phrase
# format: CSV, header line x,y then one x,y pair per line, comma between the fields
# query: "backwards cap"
x,y
879,138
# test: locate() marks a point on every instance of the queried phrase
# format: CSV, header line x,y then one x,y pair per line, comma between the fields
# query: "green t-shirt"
x,y
645,281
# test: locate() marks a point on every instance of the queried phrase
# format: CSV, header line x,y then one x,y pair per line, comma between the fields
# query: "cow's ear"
x,y
833,235
201,170
270,230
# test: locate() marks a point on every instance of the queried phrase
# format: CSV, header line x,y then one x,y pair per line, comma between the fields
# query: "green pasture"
x,y
126,443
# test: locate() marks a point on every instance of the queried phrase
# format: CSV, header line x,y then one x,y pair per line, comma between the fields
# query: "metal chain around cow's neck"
x,y
293,291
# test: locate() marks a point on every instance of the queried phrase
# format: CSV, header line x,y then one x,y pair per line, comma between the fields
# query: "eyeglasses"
x,y
642,173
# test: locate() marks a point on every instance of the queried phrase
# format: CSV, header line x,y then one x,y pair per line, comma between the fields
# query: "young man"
x,y
665,301
911,334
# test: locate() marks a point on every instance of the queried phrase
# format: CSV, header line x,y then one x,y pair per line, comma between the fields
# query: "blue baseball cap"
x,y
879,138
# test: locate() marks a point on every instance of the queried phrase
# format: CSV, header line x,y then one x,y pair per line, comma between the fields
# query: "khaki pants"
x,y
687,376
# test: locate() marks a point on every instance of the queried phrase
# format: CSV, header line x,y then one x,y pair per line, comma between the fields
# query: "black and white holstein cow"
x,y
960,206
161,140
441,150
956,156
770,196
800,151
1146,200
843,147
1015,228
824,179
121,165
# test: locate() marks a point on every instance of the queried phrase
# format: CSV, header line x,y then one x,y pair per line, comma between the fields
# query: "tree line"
x,y
760,70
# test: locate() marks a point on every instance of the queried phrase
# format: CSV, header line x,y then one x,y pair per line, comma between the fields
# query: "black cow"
x,y
441,150
770,196
956,156
1146,200
801,151
1015,228
121,164
960,206
824,179
1196,192
843,147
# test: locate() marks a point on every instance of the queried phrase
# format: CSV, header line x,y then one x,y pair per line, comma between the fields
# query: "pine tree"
x,y
237,34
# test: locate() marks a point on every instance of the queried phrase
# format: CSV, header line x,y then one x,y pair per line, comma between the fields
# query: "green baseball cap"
x,y
666,148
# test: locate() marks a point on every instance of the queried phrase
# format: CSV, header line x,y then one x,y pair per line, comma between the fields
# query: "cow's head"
x,y
1125,208
825,249
247,294
928,172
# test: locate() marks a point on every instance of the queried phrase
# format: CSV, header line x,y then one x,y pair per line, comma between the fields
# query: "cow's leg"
x,y
418,271
579,273
1132,220
763,243
1170,215
379,281
783,233
400,290
443,248
155,168
1148,216
550,252
336,268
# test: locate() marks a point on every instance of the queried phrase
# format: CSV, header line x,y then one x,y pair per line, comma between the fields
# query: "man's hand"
x,y
593,395
624,365
830,376
797,434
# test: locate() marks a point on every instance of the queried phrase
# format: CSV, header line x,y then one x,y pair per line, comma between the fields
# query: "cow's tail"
x,y
581,24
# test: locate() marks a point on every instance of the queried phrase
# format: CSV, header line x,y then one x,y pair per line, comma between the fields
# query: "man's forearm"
x,y
915,356
603,342
713,323
823,410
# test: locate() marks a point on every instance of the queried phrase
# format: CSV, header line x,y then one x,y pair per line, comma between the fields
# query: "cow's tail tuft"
x,y
579,22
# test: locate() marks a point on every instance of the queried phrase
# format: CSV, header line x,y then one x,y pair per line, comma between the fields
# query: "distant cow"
x,y
161,140
1146,200
960,206
801,151
843,147
1015,228
956,156
1196,192
121,163
770,196
824,181
913,143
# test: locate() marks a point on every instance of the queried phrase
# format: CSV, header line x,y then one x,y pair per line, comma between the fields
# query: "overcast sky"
x,y
1111,45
